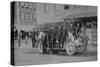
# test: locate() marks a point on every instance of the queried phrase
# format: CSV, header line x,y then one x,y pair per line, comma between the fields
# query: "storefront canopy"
x,y
25,27
82,15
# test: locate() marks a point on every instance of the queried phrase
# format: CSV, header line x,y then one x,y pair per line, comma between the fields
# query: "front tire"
x,y
70,48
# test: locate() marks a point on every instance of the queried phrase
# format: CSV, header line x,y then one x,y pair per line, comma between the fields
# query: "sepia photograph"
x,y
52,33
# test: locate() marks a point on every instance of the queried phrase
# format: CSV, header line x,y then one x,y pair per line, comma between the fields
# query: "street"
x,y
32,56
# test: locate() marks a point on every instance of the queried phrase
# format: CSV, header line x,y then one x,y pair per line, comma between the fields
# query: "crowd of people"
x,y
56,36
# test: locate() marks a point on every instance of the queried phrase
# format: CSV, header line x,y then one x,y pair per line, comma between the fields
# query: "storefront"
x,y
90,22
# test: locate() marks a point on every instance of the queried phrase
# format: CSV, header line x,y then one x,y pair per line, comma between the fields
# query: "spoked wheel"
x,y
70,48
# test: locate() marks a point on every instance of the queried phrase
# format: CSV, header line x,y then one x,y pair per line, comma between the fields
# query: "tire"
x,y
70,48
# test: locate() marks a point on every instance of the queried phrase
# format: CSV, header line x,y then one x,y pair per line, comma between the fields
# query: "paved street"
x,y
31,56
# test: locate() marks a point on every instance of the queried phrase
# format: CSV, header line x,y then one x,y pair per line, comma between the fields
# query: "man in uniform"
x,y
85,40
51,37
33,35
60,36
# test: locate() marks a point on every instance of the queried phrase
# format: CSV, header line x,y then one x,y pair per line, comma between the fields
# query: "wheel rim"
x,y
70,48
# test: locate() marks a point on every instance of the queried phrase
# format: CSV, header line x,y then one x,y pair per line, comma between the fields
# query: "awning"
x,y
78,13
82,15
25,27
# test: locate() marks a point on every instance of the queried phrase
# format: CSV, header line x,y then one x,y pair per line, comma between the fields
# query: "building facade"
x,y
28,14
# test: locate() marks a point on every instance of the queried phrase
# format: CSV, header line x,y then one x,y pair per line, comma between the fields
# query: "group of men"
x,y
56,36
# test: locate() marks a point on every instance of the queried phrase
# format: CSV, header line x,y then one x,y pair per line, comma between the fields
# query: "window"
x,y
44,7
47,7
27,5
58,7
34,6
22,4
30,17
22,16
26,16
66,7
30,5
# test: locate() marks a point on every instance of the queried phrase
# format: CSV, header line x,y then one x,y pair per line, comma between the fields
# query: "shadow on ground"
x,y
63,53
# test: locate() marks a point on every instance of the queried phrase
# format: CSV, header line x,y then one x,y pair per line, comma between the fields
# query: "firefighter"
x,y
60,32
65,33
54,37
85,40
51,37
33,34
44,41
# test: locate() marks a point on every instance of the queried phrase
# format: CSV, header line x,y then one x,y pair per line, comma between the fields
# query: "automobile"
x,y
62,39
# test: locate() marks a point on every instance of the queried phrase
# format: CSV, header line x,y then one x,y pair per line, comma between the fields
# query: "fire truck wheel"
x,y
70,48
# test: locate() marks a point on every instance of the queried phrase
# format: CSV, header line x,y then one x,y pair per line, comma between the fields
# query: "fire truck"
x,y
63,36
